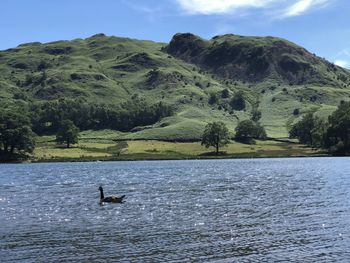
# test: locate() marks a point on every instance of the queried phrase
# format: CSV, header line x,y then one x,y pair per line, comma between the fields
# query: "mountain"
x,y
276,77
256,59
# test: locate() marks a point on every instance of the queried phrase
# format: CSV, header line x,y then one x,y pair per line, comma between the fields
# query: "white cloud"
x,y
208,7
345,52
341,63
286,8
301,6
342,59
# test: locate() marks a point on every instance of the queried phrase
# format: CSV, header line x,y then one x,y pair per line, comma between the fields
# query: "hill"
x,y
257,59
276,77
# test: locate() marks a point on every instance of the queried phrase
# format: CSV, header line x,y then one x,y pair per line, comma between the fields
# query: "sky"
x,y
321,26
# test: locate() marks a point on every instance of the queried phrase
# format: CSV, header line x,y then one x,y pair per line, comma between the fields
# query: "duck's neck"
x,y
101,194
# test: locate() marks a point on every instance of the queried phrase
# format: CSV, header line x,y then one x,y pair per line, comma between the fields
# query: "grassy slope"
x,y
112,70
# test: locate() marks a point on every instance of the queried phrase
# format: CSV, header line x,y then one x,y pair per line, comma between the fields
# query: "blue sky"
x,y
321,26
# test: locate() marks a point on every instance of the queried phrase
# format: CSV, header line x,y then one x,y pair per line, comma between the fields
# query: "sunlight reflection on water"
x,y
256,210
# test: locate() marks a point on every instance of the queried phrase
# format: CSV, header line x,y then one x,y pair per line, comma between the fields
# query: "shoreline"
x,y
143,150
154,158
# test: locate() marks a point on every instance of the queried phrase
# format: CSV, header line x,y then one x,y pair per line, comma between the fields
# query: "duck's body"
x,y
110,199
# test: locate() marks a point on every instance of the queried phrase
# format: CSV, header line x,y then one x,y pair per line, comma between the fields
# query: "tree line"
x,y
332,134
65,118
47,117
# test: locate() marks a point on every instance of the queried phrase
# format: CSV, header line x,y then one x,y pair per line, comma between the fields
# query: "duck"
x,y
110,199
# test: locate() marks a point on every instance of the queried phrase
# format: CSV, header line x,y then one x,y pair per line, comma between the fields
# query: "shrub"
x,y
238,102
225,93
212,99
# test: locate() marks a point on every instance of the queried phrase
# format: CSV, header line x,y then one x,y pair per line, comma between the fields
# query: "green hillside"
x,y
276,77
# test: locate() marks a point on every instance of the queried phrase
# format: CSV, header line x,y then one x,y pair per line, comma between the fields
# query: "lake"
x,y
248,210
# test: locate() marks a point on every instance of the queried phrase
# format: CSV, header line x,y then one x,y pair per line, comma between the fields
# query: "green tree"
x,y
48,116
306,129
225,93
15,132
256,115
248,130
319,133
68,133
238,102
337,138
216,135
212,99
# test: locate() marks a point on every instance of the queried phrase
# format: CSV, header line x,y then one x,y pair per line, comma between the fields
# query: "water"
x,y
257,210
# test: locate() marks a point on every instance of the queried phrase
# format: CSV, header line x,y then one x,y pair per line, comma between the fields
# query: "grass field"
x,y
110,149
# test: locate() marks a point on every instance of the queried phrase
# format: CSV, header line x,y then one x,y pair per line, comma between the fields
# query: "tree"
x,y
319,133
304,129
248,130
238,102
216,135
337,138
225,94
212,99
256,115
296,112
15,132
48,116
68,133
333,135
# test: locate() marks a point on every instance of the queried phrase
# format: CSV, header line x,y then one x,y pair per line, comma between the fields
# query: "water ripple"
x,y
266,210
